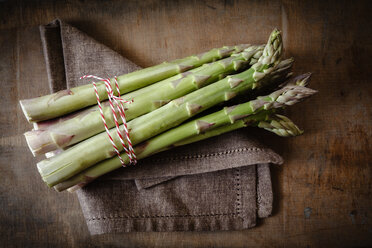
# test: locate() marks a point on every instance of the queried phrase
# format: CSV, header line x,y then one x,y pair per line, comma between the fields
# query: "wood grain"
x,y
322,192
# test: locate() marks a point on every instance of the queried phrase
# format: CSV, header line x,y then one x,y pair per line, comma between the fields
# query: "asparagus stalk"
x,y
75,127
70,100
95,149
279,124
253,113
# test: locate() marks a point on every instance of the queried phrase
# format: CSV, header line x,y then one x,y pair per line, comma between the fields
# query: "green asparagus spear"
x,y
285,128
75,127
70,100
253,113
95,149
278,124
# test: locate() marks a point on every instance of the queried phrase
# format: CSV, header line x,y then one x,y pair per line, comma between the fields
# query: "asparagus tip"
x,y
300,80
281,126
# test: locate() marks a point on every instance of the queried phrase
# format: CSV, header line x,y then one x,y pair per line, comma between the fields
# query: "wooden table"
x,y
322,192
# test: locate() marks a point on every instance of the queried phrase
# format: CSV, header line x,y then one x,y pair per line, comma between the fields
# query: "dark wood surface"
x,y
323,194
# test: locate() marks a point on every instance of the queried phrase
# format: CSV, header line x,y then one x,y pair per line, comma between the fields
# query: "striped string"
x,y
115,102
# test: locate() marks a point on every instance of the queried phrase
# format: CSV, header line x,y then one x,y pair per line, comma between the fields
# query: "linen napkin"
x,y
218,184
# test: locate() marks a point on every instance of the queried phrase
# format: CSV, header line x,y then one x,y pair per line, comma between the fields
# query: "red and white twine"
x,y
118,102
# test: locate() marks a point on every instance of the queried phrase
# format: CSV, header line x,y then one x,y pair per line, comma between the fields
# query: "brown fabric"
x,y
189,203
264,188
150,182
218,193
52,46
264,191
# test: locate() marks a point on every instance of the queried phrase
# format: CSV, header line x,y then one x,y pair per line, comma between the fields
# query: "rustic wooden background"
x,y
323,194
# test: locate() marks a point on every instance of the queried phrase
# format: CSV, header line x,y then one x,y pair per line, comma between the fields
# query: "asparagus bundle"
x,y
73,128
158,116
95,149
70,100
258,112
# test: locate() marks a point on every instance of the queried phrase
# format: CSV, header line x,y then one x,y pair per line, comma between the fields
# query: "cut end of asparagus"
x,y
39,142
23,104
74,183
281,125
43,141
